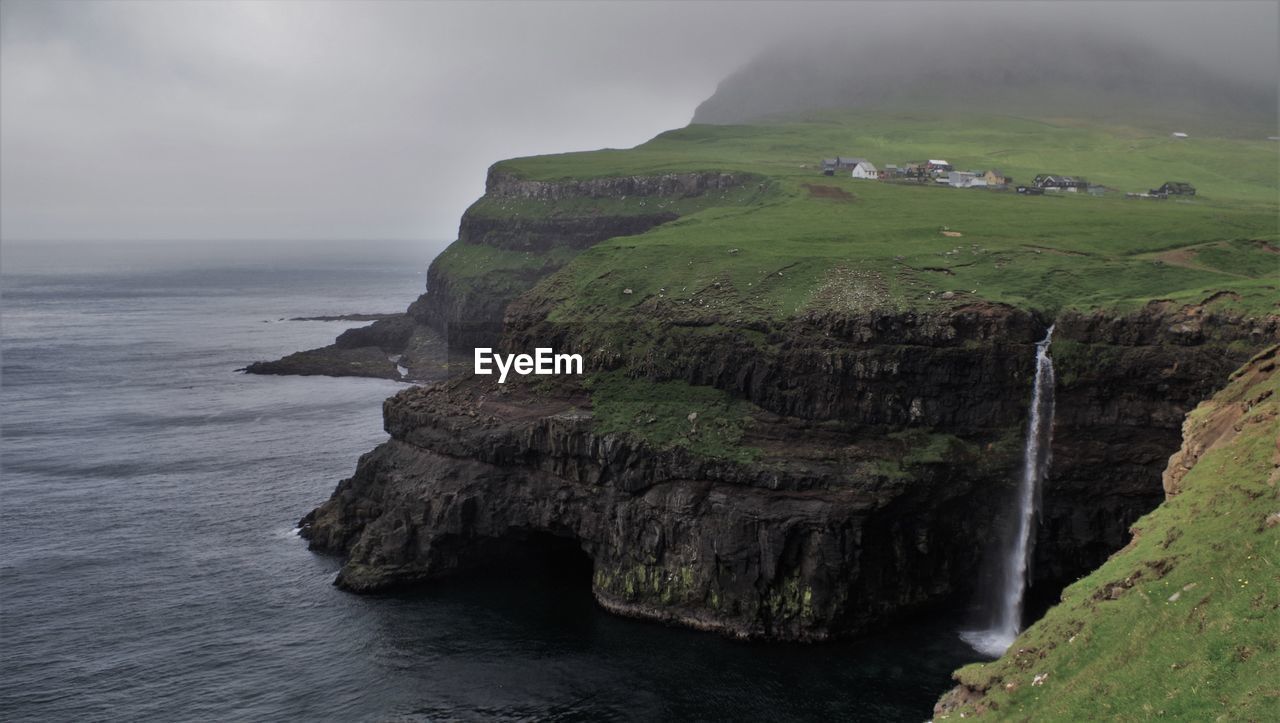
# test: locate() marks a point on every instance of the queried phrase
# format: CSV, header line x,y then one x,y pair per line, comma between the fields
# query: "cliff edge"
x,y
803,395
1182,622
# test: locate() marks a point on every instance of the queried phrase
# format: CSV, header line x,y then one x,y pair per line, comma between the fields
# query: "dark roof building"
x,y
1060,183
1175,188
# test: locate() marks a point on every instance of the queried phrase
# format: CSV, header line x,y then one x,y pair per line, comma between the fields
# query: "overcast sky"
x,y
376,120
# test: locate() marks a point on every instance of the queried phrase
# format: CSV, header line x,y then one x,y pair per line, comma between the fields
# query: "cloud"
x,y
257,120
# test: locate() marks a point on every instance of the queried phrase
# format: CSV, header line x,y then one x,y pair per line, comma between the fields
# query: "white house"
x,y
865,169
965,179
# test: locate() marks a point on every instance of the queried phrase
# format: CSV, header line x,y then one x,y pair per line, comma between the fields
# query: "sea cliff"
x,y
803,407
1181,622
873,457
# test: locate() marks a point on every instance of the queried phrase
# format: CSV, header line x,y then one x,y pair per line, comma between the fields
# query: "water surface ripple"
x,y
149,569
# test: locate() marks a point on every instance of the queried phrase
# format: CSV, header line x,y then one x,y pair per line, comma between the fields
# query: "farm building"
x,y
937,166
995,177
840,163
864,169
1175,188
966,179
1050,182
1177,134
914,170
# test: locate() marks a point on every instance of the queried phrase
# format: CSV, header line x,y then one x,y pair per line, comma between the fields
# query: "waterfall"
x,y
1015,562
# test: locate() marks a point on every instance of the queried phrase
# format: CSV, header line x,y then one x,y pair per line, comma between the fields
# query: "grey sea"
x,y
149,565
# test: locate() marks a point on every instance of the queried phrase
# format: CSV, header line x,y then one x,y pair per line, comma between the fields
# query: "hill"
x,y
1003,68
804,394
773,249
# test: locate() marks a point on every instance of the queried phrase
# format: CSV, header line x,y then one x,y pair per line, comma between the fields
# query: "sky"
x,y
193,122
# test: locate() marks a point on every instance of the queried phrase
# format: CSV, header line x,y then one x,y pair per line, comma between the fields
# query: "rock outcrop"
x,y
461,314
882,440
394,347
1125,383
811,541
501,184
829,530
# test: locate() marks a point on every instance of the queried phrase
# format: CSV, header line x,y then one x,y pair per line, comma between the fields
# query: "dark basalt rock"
x,y
544,234
377,350
830,531
807,542
805,548
1125,383
368,361
390,335
500,184
466,316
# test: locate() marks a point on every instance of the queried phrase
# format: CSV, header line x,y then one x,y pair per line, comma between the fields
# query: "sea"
x,y
150,567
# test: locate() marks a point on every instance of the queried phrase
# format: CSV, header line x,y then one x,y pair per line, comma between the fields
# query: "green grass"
x,y
1048,253
916,447
1126,158
466,261
784,251
1181,624
658,414
481,269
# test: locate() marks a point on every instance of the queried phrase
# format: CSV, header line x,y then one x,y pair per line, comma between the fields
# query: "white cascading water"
x,y
1015,566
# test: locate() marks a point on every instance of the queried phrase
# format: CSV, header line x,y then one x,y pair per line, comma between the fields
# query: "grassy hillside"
x,y
1127,158
813,242
1184,623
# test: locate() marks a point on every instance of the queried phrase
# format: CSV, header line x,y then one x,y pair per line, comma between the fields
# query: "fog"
x,y
1013,67
191,122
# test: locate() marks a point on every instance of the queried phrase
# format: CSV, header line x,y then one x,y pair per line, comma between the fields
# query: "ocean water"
x,y
149,567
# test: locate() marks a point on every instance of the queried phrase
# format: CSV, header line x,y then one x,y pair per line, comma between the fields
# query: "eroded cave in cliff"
x,y
521,556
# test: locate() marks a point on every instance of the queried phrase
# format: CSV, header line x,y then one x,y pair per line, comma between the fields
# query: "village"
x,y
942,173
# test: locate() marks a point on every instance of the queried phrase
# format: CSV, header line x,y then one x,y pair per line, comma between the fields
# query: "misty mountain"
x,y
1032,72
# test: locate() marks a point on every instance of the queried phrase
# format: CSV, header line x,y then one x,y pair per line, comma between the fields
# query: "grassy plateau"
x,y
798,241
1183,623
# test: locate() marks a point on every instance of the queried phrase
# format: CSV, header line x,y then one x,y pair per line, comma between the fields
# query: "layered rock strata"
x,y
832,528
459,315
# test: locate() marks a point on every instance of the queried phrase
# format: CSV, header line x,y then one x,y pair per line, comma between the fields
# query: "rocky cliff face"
x,y
1192,596
832,528
461,314
470,314
1125,383
500,184
882,441
805,543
